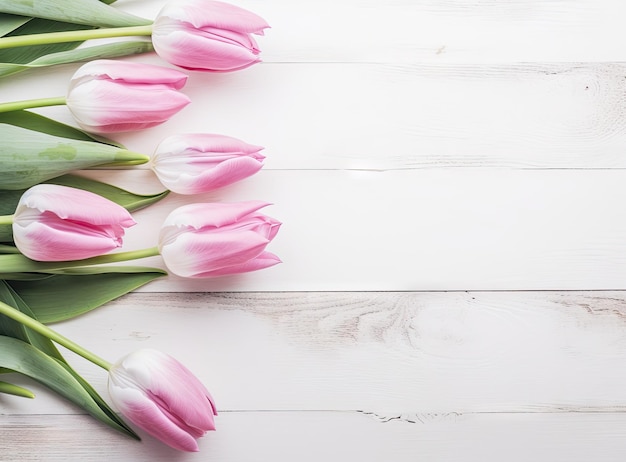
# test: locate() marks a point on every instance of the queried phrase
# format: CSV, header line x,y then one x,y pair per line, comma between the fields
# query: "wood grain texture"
x,y
392,354
412,146
333,436
436,229
434,31
363,116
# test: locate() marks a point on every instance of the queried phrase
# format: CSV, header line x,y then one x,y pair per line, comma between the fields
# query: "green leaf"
x,y
87,12
24,358
107,51
8,249
11,389
10,22
91,400
48,298
29,157
25,54
14,329
126,199
39,123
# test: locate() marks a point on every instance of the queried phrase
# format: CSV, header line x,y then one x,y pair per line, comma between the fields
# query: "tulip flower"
x,y
198,163
153,390
58,223
111,96
195,241
207,35
160,395
215,239
107,96
202,35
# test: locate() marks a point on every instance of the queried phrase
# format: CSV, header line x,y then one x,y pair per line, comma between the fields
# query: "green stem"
x,y
44,330
18,263
31,103
117,257
74,36
6,219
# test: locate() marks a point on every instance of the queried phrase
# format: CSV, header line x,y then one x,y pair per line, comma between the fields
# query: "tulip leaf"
x,y
10,22
39,123
38,358
30,157
48,298
11,389
8,249
130,201
25,359
25,54
86,12
107,51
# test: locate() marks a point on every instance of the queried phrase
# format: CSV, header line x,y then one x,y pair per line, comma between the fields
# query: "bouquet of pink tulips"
x,y
59,231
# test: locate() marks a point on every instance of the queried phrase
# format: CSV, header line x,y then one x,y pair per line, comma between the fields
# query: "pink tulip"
x,y
161,396
215,239
111,96
206,35
198,163
58,223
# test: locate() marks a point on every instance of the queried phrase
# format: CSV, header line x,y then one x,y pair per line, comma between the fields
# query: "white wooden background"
x,y
451,178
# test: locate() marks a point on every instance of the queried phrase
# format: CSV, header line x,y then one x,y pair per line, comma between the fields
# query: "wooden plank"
x,y
388,353
434,30
333,436
438,229
382,117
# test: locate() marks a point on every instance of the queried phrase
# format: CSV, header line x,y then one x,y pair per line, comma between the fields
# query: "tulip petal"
x,y
201,53
262,261
212,214
204,180
104,106
44,243
130,72
208,13
73,204
206,142
144,413
192,254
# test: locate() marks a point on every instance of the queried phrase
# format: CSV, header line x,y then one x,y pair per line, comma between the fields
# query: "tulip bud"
x,y
111,96
161,396
59,223
207,35
199,163
215,239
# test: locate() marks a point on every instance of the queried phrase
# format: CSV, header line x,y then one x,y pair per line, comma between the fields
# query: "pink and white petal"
x,y
211,214
43,243
193,52
74,204
206,180
141,411
196,253
130,72
265,260
105,107
202,13
204,143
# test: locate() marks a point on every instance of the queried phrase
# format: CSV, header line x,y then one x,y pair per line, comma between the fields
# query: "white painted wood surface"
x,y
450,175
